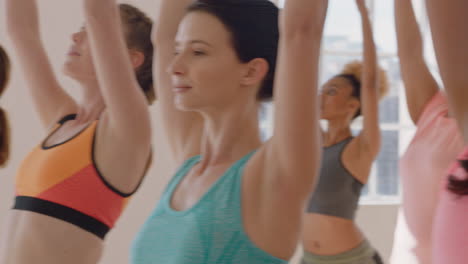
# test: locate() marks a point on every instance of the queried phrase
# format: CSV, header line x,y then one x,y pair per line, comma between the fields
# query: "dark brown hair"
x,y
138,36
457,186
4,126
253,25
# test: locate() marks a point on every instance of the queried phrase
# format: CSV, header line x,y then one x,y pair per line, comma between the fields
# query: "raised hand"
x,y
361,5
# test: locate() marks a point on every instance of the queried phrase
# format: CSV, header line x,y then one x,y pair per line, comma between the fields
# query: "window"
x,y
343,43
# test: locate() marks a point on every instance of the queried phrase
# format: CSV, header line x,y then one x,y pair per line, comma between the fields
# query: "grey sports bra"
x,y
337,192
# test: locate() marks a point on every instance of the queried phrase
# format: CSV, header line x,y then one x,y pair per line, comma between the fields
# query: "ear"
x,y
255,72
354,104
137,58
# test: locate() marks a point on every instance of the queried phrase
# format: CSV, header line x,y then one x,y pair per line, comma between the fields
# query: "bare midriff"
x,y
329,235
29,238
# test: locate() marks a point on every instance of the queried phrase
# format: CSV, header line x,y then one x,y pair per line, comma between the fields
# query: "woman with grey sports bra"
x,y
330,234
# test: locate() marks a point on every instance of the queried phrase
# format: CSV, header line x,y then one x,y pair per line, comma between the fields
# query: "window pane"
x,y
266,121
384,26
342,27
387,164
389,106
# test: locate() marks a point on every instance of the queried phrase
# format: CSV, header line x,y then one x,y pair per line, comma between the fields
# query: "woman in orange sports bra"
x,y
72,187
4,129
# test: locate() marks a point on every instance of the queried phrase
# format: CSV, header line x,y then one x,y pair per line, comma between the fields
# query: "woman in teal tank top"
x,y
240,200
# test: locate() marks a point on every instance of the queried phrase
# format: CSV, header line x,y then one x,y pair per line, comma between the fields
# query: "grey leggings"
x,y
363,254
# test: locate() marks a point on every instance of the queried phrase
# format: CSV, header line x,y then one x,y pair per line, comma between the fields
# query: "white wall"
x,y
59,19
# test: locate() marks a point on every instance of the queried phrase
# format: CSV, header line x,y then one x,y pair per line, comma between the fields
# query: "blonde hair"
x,y
354,68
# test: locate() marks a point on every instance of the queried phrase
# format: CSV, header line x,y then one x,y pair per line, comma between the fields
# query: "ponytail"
x,y
4,138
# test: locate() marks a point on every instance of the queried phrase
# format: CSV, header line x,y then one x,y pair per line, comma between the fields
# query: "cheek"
x,y
333,103
212,73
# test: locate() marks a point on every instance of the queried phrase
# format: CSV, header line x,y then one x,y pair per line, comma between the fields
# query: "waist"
x,y
326,235
362,253
36,238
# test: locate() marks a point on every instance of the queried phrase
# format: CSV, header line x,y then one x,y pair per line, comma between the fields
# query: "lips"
x,y
74,53
181,89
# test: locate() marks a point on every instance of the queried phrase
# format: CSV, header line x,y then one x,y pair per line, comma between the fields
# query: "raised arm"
x,y
125,102
50,100
295,143
420,85
183,129
369,137
448,24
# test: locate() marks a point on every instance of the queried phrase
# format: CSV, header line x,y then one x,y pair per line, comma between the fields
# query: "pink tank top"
x,y
450,232
435,145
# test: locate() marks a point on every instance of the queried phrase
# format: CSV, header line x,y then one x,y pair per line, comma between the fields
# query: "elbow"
x,y
301,29
410,52
19,32
94,10
18,27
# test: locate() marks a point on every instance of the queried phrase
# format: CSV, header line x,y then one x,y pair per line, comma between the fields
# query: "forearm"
x,y
22,20
369,78
409,39
115,74
448,21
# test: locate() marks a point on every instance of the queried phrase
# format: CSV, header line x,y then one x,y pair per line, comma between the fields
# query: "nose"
x,y
77,36
176,67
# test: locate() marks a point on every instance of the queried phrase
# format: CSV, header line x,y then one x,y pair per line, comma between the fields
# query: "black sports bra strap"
x,y
67,118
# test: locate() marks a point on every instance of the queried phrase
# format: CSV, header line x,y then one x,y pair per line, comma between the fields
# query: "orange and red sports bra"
x,y
63,181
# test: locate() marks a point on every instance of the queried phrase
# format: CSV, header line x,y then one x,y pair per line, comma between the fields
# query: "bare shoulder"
x,y
357,160
121,161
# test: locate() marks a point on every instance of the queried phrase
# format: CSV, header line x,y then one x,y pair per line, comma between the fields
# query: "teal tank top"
x,y
210,232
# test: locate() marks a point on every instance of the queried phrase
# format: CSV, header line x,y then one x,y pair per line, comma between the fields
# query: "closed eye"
x,y
199,53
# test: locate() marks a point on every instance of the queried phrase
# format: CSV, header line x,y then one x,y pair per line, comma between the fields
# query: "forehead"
x,y
202,26
340,83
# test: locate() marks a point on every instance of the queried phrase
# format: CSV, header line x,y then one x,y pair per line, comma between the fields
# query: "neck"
x,y
337,131
92,104
230,135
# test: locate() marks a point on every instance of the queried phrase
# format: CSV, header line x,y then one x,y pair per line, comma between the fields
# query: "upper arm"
x,y
448,24
50,100
183,129
295,144
369,138
125,102
420,85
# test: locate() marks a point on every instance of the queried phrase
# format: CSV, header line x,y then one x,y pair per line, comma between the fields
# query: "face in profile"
x,y
337,100
79,64
206,71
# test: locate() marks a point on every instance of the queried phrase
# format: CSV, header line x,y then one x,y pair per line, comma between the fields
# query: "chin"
x,y
183,104
68,70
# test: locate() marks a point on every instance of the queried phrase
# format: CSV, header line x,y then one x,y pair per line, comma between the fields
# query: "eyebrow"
x,y
195,42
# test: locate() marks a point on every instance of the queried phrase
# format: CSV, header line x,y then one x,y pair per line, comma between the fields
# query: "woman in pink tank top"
x,y
450,231
437,140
